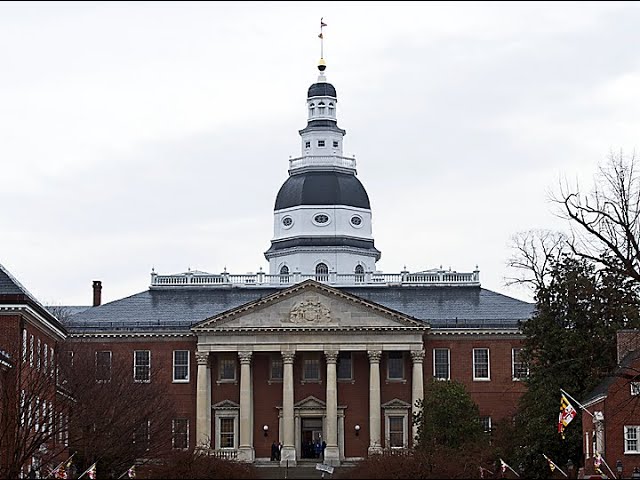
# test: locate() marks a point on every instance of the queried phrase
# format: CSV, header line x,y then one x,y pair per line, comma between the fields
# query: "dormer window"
x,y
321,143
307,144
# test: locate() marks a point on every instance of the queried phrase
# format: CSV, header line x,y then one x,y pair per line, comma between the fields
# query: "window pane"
x,y
395,365
227,433
396,431
141,437
181,433
486,424
520,369
276,368
142,365
103,366
344,366
227,369
181,365
481,363
441,363
311,369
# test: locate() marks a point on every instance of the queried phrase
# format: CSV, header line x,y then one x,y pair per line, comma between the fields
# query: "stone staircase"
x,y
304,469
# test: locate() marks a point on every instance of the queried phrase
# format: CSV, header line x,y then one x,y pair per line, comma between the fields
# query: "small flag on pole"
x,y
320,35
92,472
567,413
132,472
553,466
504,467
597,461
322,24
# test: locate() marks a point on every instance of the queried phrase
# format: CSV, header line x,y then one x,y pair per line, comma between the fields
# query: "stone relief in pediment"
x,y
310,312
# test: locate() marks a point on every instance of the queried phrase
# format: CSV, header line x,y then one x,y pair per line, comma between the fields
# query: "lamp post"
x,y
636,473
266,430
357,429
619,468
570,468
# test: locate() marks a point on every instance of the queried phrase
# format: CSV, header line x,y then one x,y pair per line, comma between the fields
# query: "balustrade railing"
x,y
322,160
260,279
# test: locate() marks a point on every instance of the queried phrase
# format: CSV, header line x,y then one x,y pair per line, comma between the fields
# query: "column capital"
x,y
417,356
202,358
374,356
287,357
245,357
331,356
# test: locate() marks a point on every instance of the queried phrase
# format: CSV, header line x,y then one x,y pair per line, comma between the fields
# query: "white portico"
x,y
307,319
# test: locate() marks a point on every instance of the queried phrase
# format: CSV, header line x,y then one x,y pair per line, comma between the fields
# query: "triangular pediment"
x,y
310,306
396,403
226,405
310,403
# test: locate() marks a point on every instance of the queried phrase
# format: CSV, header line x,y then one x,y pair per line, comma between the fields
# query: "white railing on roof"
x,y
261,279
322,161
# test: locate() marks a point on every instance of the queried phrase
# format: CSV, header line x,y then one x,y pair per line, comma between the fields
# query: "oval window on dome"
x,y
287,221
356,220
321,218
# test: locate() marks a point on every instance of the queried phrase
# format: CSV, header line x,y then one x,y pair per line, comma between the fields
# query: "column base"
x,y
332,456
376,450
246,454
288,456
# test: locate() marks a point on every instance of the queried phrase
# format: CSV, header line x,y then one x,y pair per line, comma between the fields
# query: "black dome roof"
x,y
322,188
322,89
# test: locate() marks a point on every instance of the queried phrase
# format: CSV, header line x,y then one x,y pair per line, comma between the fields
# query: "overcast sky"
x,y
139,135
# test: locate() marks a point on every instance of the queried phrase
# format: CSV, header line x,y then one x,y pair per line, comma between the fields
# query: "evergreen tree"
x,y
570,344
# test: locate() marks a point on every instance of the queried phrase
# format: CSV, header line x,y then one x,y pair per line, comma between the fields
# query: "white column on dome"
x,y
375,445
332,453
417,386
203,401
288,453
246,452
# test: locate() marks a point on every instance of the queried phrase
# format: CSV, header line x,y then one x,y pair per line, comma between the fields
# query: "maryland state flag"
x,y
567,413
597,461
62,472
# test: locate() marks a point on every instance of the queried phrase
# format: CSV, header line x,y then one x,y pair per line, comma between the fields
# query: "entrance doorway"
x,y
311,437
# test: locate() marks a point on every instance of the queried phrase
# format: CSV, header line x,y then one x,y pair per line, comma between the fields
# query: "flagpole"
x,y
83,473
126,471
577,402
605,462
548,459
507,465
60,464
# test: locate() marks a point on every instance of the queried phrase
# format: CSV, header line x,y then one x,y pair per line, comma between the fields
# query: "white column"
x,y
374,402
246,453
288,453
203,401
417,387
331,452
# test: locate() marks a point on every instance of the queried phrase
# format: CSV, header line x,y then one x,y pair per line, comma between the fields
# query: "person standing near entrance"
x,y
318,448
279,451
274,451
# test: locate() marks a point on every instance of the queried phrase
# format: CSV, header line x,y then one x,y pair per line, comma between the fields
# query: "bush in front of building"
x,y
193,465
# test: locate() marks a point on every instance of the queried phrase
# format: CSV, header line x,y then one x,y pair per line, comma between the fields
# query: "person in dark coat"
x,y
274,451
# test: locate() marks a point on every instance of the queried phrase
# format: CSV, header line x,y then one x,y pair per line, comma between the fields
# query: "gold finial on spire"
x,y
321,64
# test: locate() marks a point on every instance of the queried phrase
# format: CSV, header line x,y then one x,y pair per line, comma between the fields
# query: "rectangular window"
x,y
142,365
635,388
631,439
181,365
396,432
335,144
481,364
227,432
311,369
441,363
344,366
141,436
51,363
321,143
180,431
519,368
395,366
31,348
227,369
45,355
103,366
485,422
276,368
586,444
307,144
38,354
24,346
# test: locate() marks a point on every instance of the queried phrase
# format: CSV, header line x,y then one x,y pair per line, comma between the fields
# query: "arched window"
x,y
311,109
284,274
321,108
331,109
359,271
322,272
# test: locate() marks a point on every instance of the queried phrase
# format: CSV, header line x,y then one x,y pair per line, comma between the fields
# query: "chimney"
x,y
97,293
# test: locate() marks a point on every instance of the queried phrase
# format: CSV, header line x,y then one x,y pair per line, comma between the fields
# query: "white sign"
x,y
324,468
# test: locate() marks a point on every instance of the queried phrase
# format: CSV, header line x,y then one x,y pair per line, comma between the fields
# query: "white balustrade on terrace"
x,y
260,279
312,161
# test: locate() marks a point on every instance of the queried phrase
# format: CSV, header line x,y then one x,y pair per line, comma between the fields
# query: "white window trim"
x,y
148,435
395,412
173,434
637,429
448,364
396,379
31,349
586,445
513,365
182,380
488,377
490,423
24,345
634,388
227,413
235,369
134,367
38,358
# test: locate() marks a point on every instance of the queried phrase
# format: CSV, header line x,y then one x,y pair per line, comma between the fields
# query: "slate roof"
x,y
13,292
180,308
621,371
